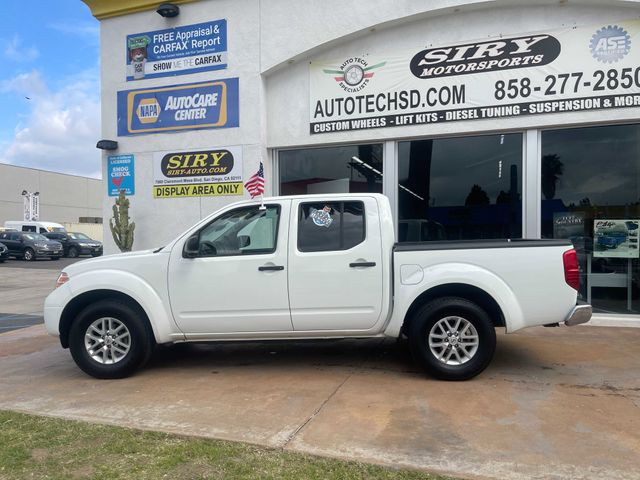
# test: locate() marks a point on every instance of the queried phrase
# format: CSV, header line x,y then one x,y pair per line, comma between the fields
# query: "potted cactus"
x,y
121,229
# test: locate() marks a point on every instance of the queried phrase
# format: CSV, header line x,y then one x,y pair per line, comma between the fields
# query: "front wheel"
x,y
29,255
73,252
110,339
452,338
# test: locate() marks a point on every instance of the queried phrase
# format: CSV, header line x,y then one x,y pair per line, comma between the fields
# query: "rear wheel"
x,y
452,338
110,339
29,255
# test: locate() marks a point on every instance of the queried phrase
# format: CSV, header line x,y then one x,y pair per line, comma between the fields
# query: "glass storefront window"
x,y
460,188
591,195
343,169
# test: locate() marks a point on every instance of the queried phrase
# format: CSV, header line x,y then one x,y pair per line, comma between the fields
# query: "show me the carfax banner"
x,y
573,69
177,51
198,173
190,106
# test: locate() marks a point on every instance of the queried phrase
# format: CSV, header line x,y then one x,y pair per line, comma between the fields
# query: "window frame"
x,y
242,254
341,202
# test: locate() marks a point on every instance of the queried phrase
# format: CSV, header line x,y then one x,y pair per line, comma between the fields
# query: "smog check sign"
x,y
178,107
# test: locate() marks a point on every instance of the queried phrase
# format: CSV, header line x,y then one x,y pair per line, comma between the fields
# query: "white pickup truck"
x,y
312,267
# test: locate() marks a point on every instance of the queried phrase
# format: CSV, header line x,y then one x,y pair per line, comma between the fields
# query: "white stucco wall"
x,y
270,44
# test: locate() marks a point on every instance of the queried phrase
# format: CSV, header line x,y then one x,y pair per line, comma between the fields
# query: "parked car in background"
x,y
75,244
4,253
29,245
34,226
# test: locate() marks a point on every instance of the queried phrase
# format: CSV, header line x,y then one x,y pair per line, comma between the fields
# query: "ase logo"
x,y
354,73
148,110
610,44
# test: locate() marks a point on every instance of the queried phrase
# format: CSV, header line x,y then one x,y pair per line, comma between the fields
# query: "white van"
x,y
34,226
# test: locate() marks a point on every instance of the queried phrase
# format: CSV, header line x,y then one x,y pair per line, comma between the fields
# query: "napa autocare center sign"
x,y
177,51
212,104
120,175
574,69
202,173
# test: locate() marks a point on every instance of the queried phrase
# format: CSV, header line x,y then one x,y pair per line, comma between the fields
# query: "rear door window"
x,y
330,226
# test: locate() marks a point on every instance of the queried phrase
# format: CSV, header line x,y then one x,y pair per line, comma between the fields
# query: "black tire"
x,y
429,315
55,258
141,339
29,255
96,254
73,252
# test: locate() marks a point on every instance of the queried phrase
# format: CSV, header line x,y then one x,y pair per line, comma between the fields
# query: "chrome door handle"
x,y
270,268
362,264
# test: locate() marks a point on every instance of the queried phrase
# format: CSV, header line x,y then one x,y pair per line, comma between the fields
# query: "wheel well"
x,y
75,306
469,292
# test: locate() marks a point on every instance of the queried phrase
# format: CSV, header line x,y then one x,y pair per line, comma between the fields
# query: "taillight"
x,y
571,270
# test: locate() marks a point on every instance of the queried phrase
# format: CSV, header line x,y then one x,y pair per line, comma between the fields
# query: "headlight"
x,y
62,279
82,244
40,245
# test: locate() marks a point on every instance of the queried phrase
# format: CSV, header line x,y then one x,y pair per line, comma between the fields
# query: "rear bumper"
x,y
581,313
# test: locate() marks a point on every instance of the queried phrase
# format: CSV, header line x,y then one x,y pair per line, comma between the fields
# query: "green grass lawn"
x,y
40,447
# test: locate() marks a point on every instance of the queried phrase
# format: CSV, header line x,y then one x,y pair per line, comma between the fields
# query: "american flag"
x,y
255,185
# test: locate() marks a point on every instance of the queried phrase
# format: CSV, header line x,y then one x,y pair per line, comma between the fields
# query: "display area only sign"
x,y
121,175
210,172
574,69
191,106
177,51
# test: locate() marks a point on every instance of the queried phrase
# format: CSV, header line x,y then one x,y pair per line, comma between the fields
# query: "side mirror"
x,y
191,247
244,241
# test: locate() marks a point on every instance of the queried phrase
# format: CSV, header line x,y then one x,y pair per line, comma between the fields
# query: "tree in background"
x,y
552,168
477,196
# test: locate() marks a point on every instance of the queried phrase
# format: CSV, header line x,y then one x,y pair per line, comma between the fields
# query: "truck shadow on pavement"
x,y
375,355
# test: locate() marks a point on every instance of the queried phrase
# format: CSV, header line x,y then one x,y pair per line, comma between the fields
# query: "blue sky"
x,y
49,52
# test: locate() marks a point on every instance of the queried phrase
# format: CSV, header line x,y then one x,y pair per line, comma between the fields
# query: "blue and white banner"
x,y
191,106
120,175
177,51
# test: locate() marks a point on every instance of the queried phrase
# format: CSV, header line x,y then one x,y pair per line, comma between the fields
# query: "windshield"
x,y
35,236
78,236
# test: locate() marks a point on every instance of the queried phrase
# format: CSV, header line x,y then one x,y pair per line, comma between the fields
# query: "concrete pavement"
x,y
555,403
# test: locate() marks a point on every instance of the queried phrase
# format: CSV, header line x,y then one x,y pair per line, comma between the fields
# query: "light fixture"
x,y
378,172
168,10
107,145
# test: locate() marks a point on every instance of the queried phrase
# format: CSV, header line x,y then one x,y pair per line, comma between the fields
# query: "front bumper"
x,y
42,252
581,313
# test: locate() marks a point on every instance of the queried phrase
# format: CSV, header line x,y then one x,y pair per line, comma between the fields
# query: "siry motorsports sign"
x,y
192,106
574,69
211,172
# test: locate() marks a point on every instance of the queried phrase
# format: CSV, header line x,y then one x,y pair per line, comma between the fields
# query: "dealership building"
x,y
477,119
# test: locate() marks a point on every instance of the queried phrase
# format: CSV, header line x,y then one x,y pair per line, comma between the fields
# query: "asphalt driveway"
x,y
555,403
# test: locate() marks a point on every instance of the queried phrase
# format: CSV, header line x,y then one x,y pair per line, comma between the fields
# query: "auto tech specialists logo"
x,y
610,44
353,74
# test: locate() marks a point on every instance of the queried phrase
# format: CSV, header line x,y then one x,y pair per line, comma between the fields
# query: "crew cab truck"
x,y
312,267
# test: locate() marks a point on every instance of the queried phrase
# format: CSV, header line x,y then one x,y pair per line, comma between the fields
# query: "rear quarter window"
x,y
330,226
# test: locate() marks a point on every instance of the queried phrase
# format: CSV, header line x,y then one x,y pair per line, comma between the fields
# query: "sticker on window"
x,y
322,218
